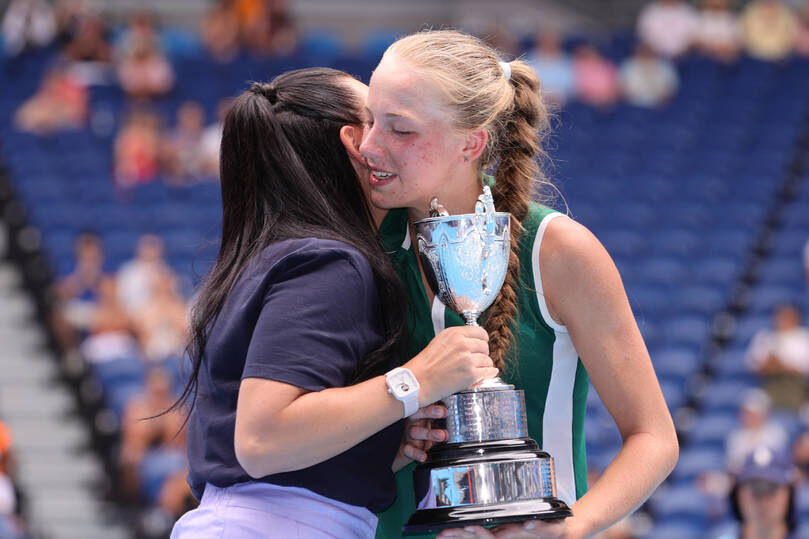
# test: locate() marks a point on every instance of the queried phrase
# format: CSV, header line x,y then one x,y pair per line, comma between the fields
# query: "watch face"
x,y
402,384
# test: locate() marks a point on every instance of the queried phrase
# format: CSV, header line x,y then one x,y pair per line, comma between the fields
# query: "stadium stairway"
x,y
54,468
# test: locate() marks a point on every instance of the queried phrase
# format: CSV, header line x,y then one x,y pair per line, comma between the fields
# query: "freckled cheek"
x,y
427,153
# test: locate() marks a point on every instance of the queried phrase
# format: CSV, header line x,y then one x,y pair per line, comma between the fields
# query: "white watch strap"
x,y
411,404
410,400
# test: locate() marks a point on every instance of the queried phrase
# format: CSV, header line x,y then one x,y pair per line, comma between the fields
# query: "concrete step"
x,y
79,530
18,370
31,433
42,395
55,469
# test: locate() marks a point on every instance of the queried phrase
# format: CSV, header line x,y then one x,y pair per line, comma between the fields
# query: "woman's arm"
x,y
281,427
585,293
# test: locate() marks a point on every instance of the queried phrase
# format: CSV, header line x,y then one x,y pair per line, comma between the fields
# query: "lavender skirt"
x,y
251,510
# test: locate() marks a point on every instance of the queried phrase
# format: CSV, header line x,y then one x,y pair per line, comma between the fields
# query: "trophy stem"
x,y
471,319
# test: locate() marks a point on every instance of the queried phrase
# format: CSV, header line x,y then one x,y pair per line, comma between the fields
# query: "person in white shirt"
x,y
668,27
136,278
755,430
781,358
647,80
718,32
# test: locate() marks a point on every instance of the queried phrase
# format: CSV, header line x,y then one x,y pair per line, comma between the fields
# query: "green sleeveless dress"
x,y
543,362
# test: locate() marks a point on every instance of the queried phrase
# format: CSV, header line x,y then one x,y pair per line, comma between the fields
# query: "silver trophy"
x,y
489,471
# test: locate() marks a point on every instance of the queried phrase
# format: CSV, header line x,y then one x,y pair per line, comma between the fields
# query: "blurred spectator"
x,y
755,430
646,80
161,324
78,292
270,30
173,500
668,27
806,261
769,29
220,32
8,498
212,139
27,23
718,32
111,333
70,15
143,69
763,499
89,51
501,38
181,153
137,149
800,455
554,67
140,32
144,426
780,356
714,485
136,277
246,11
11,526
596,77
802,39
60,103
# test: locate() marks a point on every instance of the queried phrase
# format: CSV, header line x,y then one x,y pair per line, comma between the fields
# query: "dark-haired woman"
x,y
295,403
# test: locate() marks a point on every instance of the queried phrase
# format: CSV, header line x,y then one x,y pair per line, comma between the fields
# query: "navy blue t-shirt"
x,y
304,312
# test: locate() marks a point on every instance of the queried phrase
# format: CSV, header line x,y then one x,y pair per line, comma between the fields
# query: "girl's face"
x,y
410,145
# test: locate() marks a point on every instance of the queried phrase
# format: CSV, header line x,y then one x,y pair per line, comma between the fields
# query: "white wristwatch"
x,y
402,384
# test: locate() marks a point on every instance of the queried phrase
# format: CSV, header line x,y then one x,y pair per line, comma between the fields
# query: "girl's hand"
x,y
418,437
531,529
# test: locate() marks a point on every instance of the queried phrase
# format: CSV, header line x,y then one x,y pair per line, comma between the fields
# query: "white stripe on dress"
x,y
557,421
438,311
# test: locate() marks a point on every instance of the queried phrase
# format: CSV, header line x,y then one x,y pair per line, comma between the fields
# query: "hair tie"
x,y
506,67
266,90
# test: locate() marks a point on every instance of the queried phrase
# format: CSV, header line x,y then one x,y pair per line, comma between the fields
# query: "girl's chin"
x,y
382,202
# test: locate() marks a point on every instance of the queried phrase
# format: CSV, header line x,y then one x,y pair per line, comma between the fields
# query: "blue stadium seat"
x,y
724,395
711,430
680,503
694,461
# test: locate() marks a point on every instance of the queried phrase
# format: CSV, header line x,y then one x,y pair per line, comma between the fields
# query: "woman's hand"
x,y
532,529
455,359
418,437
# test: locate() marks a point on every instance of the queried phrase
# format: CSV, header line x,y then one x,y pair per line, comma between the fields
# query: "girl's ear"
x,y
351,137
474,144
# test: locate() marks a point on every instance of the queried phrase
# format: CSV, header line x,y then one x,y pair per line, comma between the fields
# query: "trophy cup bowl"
x,y
489,471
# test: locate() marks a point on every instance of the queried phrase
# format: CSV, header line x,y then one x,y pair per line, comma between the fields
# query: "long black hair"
x,y
286,174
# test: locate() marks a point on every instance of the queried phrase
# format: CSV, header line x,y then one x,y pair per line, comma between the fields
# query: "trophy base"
x,y
484,483
435,520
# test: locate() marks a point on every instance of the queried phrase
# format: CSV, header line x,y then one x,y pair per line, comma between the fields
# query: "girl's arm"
x,y
585,293
281,427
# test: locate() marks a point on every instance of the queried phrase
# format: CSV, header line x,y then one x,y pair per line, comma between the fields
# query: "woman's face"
x,y
763,502
411,148
354,138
